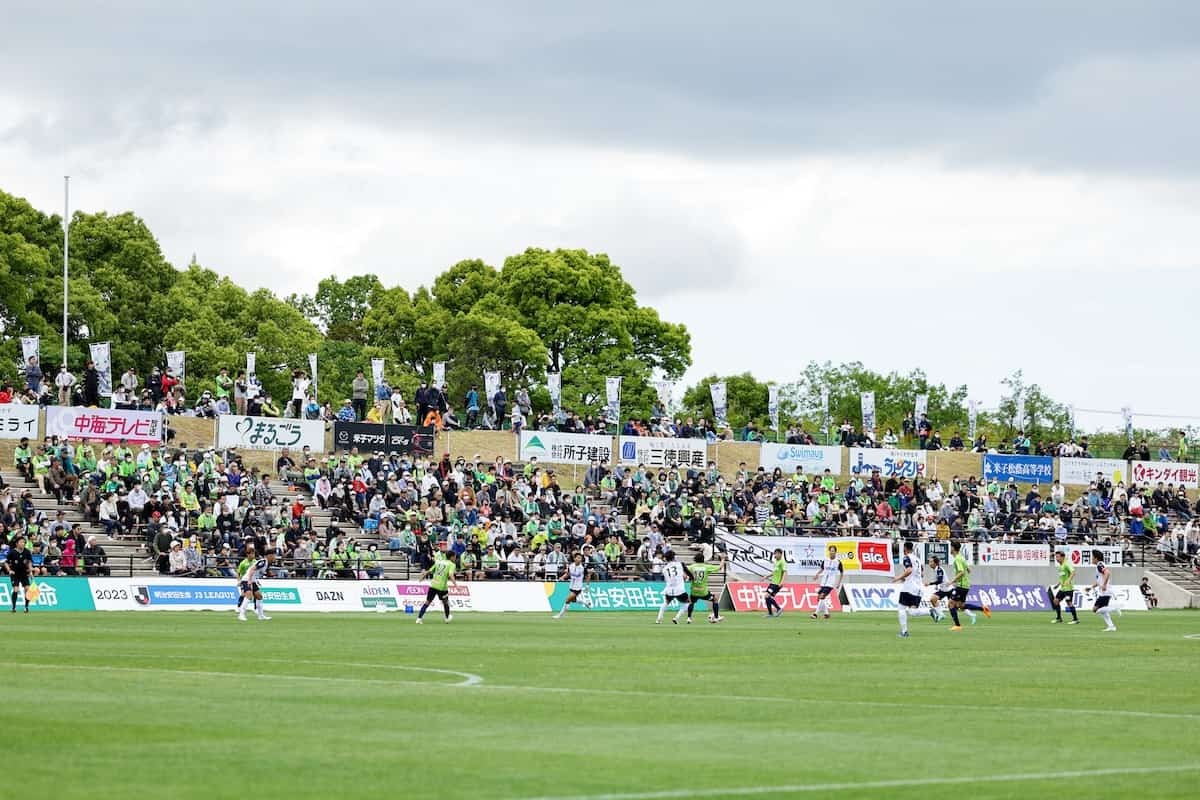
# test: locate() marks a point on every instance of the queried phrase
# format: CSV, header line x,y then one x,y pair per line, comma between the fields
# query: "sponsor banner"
x,y
806,554
927,550
1082,471
792,597
18,420
54,594
1015,555
565,448
1151,472
885,597
889,463
810,459
1081,554
76,422
878,597
657,452
270,433
1022,469
615,596
370,437
1126,597
185,594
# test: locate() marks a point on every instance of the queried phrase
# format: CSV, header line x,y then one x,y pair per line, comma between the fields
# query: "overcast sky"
x,y
970,188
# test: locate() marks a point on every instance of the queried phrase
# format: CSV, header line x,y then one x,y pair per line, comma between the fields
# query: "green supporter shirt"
x,y
243,565
1066,576
961,565
778,572
441,573
700,573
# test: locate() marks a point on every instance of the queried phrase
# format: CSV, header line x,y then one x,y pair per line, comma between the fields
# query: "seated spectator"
x,y
178,560
95,560
1148,594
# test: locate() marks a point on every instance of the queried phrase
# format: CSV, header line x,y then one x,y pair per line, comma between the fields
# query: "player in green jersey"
x,y
1065,589
962,584
700,591
778,575
441,577
242,566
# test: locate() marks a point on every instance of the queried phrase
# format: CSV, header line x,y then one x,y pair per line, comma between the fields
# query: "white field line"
x,y
899,783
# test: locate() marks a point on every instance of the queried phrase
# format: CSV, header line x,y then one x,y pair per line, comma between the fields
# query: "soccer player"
x,y
941,589
675,575
830,577
913,581
1065,589
1103,592
18,567
577,575
962,585
242,566
440,575
778,573
700,591
250,587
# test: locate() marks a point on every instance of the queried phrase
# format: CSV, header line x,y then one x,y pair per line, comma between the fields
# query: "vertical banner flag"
x,y
612,391
439,374
554,387
30,348
102,357
177,363
1127,416
720,406
922,406
663,389
868,411
773,405
1071,419
251,358
1020,412
491,385
972,418
312,372
376,373
825,410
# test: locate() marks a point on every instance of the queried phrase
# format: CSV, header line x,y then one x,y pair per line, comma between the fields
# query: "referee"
x,y
18,566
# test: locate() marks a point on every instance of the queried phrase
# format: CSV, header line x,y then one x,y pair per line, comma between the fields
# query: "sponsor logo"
x,y
628,451
375,596
875,556
331,597
535,442
792,597
280,595
183,595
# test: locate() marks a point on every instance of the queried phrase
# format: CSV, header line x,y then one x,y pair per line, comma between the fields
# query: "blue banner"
x,y
1022,469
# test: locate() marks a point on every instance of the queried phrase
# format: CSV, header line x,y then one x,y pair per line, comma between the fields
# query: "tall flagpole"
x,y
66,254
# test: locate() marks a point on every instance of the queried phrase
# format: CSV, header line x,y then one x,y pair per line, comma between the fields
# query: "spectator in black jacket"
x,y
91,385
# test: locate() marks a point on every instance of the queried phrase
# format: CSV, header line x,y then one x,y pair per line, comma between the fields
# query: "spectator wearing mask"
x,y
33,376
65,383
358,396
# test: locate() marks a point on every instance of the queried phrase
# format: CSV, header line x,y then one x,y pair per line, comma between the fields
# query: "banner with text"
x,y
889,463
101,354
1022,469
177,364
1014,555
270,433
868,411
745,596
811,459
370,437
18,421
720,404
1187,475
30,348
439,374
554,387
614,596
1082,471
1081,555
612,394
806,554
656,452
773,405
76,422
565,448
53,594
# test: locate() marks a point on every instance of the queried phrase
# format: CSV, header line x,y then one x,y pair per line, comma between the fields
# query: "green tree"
x,y
339,307
746,400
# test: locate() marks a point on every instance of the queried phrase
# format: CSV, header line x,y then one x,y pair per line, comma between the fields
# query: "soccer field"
x,y
197,705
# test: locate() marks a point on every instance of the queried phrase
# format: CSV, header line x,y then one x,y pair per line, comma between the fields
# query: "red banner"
x,y
792,597
104,425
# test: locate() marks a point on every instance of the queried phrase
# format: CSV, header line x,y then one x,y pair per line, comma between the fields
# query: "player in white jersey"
x,y
942,589
577,575
1103,590
912,580
251,590
675,576
830,577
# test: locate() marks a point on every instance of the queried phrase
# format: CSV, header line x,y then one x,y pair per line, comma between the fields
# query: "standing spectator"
x,y
358,396
523,402
154,385
472,403
300,384
33,376
240,392
924,431
500,406
421,401
129,381
91,385
64,382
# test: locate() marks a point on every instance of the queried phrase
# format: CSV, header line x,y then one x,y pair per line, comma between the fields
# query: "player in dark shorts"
x,y
775,583
18,567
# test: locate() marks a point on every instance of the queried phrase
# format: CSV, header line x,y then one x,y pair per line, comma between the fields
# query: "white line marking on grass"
x,y
900,783
1191,636
204,673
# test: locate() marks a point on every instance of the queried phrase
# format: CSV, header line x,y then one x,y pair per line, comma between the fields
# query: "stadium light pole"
x,y
66,254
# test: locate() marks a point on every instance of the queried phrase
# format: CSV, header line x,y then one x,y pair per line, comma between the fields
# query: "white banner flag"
x,y
491,385
1020,412
825,410
554,387
439,374
720,404
102,358
376,373
1071,419
1127,416
773,405
922,406
251,358
612,391
868,411
663,390
177,363
972,418
312,367
30,348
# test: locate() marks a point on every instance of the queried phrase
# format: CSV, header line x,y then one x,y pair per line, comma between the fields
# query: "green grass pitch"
x,y
197,705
